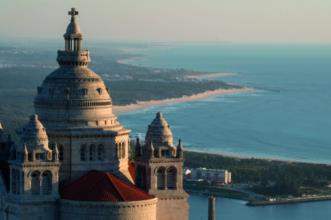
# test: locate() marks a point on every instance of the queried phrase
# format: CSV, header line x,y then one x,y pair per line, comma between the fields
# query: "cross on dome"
x,y
73,13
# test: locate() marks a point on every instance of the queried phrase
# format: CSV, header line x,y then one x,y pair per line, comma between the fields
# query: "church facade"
x,y
72,160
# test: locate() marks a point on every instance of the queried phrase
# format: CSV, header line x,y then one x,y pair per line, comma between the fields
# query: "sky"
x,y
242,21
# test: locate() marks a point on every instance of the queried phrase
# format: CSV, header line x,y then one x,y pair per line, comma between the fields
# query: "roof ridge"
x,y
103,186
110,178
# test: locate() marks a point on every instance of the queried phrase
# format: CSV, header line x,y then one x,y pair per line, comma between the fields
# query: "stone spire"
x,y
56,153
180,149
26,153
150,150
1,132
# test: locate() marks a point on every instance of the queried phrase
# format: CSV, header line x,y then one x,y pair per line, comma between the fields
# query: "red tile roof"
x,y
102,186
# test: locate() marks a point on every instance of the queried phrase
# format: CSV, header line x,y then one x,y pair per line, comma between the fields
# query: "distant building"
x,y
72,160
215,176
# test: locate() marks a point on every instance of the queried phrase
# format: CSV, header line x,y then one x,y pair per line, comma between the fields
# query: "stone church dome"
x,y
73,95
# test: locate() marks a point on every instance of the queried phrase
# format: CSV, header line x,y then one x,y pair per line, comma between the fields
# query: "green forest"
x,y
268,177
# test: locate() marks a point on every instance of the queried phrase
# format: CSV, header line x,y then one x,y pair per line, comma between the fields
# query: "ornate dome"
x,y
159,132
34,135
73,95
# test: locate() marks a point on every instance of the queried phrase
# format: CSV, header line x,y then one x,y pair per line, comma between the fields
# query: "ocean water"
x,y
231,209
287,117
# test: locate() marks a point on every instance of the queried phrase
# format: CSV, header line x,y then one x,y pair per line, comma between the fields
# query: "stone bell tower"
x,y
159,170
34,175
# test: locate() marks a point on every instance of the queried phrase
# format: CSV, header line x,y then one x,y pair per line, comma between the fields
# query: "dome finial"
x,y
73,13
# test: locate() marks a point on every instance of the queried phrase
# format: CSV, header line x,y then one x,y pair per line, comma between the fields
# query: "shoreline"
x,y
249,157
294,200
242,190
195,97
201,76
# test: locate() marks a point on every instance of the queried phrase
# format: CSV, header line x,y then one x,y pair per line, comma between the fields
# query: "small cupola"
x,y
34,141
73,35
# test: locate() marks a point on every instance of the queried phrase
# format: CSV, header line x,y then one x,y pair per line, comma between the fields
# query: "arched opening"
x,y
123,150
61,153
141,177
46,183
83,152
35,183
119,150
15,186
101,152
160,178
83,92
99,90
92,152
171,178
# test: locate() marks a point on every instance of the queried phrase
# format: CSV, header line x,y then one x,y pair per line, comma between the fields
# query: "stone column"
x,y
211,208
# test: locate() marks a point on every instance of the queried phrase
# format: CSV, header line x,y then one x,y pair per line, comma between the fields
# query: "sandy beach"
x,y
209,75
200,96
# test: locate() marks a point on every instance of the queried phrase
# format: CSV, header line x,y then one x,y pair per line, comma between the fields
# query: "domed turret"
x,y
159,132
34,136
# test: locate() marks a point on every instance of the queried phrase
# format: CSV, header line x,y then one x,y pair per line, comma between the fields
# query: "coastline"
x,y
243,189
196,97
209,75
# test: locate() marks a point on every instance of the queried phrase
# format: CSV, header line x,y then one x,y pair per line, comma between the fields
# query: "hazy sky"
x,y
172,20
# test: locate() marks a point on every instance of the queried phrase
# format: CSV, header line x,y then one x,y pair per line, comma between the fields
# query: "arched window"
x,y
171,178
83,91
160,178
13,153
61,153
99,90
35,183
119,150
92,152
18,181
141,177
122,150
46,183
14,181
101,152
83,152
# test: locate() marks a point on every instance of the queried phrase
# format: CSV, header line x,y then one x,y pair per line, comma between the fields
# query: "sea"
x,y
287,117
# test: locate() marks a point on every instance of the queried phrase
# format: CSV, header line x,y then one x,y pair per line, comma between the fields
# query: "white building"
x,y
216,176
